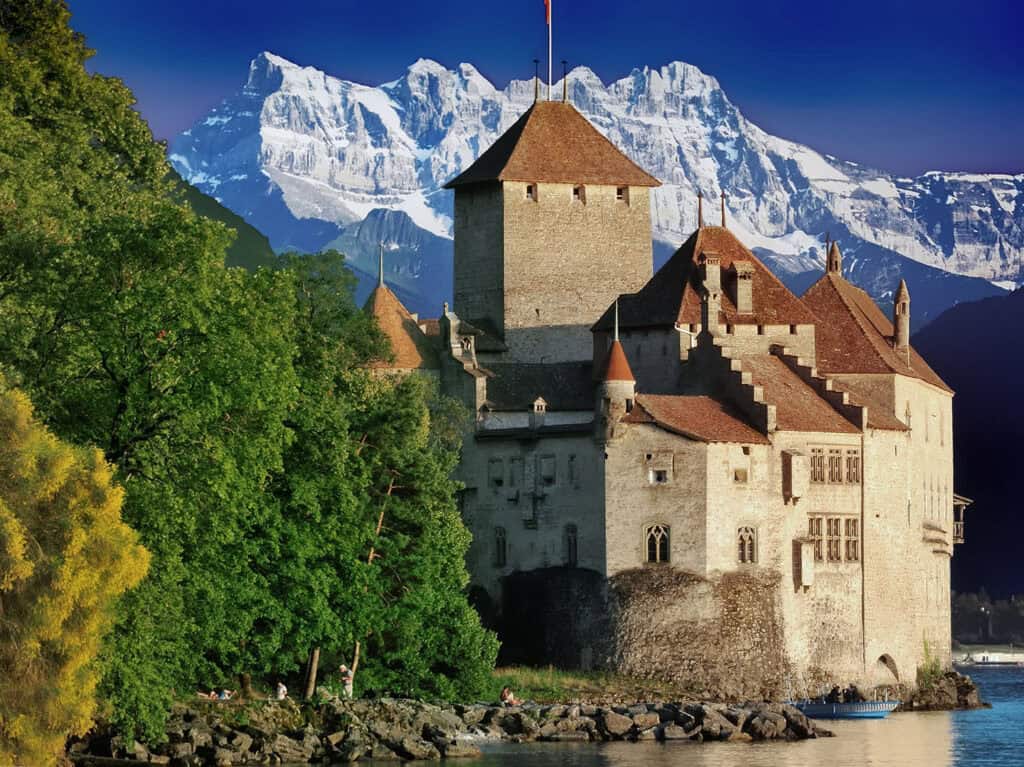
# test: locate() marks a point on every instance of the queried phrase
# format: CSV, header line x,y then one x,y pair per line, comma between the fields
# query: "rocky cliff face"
x,y
302,155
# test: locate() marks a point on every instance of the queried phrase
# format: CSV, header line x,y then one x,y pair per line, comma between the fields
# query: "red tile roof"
x,y
854,336
797,406
552,142
410,345
617,367
698,417
673,295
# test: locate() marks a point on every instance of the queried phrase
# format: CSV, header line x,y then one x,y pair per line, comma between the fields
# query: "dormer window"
x,y
531,192
622,193
579,193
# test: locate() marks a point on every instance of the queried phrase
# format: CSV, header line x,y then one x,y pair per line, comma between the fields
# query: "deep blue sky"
x,y
903,86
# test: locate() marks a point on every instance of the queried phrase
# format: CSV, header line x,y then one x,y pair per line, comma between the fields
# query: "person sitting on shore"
x,y
226,694
280,692
508,698
347,678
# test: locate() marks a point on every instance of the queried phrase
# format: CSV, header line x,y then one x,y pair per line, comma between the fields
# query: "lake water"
x,y
989,737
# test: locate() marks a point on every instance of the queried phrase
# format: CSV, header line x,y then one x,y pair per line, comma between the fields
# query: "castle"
x,y
694,473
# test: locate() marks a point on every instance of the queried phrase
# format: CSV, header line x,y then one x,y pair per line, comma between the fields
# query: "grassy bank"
x,y
551,685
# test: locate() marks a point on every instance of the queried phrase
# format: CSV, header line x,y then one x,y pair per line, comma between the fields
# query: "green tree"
x,y
65,557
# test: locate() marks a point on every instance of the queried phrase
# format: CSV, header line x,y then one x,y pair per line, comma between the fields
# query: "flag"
x,y
547,11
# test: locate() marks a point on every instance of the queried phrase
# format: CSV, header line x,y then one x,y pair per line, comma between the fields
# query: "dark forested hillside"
x,y
977,349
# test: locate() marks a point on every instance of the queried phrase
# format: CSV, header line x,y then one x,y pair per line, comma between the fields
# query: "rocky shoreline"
x,y
950,692
341,731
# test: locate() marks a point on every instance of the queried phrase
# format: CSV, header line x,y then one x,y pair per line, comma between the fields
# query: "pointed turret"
x,y
834,260
901,317
617,387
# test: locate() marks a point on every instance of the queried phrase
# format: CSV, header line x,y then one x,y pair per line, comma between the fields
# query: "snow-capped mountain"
x,y
304,157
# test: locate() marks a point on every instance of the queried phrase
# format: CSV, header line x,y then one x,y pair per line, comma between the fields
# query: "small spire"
x,y
616,319
380,265
902,292
723,208
700,210
834,260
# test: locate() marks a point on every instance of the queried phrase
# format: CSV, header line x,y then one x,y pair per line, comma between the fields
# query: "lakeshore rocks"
x,y
949,692
341,731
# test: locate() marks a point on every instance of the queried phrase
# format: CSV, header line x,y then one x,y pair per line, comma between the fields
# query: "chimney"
x,y
711,300
744,297
834,260
537,411
901,317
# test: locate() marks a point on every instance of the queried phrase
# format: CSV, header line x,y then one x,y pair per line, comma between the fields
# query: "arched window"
x,y
746,540
657,543
500,547
571,545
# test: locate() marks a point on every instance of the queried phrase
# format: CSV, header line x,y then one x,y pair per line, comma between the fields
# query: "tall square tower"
x,y
552,222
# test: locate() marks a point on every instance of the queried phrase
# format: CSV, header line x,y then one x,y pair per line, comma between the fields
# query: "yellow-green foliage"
x,y
65,556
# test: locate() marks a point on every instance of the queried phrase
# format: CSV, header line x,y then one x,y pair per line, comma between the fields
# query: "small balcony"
x,y
960,504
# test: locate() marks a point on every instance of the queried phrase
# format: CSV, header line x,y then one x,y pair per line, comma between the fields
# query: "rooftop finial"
x,y
700,209
723,208
380,264
616,319
565,81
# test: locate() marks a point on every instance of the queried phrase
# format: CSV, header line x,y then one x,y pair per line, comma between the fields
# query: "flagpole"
x,y
550,2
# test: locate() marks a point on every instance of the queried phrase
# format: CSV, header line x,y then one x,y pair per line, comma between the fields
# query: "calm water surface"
x,y
990,737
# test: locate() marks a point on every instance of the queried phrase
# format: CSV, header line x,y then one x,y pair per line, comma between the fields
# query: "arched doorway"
x,y
885,669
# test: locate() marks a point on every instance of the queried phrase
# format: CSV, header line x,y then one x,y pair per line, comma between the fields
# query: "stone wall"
x,y
724,635
478,269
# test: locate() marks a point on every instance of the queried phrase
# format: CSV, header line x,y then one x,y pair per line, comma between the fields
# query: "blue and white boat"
x,y
868,709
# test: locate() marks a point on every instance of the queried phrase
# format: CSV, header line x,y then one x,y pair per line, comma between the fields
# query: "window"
x,y
657,543
853,466
531,192
659,476
817,464
835,465
814,533
574,470
496,472
547,470
515,471
500,547
739,475
834,539
571,545
622,193
746,538
852,540
579,193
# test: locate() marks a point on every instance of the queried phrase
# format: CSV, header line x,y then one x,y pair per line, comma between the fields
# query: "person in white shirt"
x,y
282,691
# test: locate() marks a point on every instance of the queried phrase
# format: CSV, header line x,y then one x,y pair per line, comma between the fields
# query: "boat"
x,y
867,709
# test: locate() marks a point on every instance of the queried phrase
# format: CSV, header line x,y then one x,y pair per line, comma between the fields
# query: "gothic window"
x,y
853,466
657,543
834,539
852,540
500,547
815,534
746,538
817,464
835,465
496,472
571,545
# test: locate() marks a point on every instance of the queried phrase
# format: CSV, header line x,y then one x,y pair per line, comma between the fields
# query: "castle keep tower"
x,y
551,223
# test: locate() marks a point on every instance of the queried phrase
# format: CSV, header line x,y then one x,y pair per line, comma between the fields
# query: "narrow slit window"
x,y
622,193
531,192
500,547
579,193
571,545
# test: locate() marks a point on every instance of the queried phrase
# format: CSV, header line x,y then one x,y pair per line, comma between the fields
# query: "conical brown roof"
x,y
902,293
554,143
410,345
617,368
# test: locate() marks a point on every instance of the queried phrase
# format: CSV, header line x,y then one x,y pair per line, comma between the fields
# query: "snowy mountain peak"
x,y
300,153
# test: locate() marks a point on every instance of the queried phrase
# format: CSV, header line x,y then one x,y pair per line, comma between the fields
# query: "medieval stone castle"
x,y
693,473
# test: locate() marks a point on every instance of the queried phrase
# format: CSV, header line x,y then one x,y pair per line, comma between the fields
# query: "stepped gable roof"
x,y
617,366
854,336
410,345
798,407
673,294
879,416
563,385
701,418
552,142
